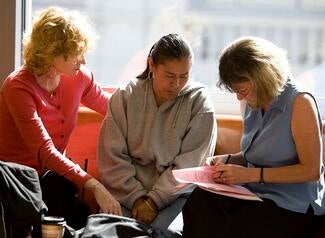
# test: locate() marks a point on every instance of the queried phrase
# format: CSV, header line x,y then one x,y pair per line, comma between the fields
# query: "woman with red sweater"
x,y
38,111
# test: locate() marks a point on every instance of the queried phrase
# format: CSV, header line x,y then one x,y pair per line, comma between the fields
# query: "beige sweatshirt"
x,y
141,143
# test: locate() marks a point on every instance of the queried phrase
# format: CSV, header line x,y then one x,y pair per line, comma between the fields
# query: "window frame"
x,y
15,15
19,14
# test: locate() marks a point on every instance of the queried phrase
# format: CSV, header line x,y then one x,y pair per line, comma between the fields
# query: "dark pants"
x,y
60,197
9,227
206,214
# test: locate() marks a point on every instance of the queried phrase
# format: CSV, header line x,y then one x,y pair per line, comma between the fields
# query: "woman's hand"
x,y
213,160
105,200
144,210
210,161
231,174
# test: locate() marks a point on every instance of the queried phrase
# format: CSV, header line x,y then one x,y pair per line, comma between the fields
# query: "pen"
x,y
226,162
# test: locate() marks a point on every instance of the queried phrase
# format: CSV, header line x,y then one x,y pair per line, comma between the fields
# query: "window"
x,y
127,29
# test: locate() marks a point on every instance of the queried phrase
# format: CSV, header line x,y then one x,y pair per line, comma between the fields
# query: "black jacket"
x,y
21,203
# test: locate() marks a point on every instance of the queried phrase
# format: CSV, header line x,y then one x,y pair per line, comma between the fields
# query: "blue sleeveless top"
x,y
267,142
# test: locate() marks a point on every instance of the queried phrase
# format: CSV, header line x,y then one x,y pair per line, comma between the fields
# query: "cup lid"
x,y
53,220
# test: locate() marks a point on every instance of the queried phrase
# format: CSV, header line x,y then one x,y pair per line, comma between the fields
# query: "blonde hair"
x,y
258,61
56,32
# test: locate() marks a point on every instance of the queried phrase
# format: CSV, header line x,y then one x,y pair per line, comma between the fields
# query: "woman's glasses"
x,y
243,91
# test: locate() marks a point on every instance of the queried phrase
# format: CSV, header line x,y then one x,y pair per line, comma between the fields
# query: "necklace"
x,y
48,83
52,94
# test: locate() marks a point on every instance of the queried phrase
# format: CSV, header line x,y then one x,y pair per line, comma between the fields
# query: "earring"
x,y
149,75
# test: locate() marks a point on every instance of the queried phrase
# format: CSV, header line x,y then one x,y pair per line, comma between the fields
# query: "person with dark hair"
x,y
162,120
39,107
280,158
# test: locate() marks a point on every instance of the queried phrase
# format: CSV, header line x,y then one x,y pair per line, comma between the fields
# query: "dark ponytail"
x,y
145,73
169,47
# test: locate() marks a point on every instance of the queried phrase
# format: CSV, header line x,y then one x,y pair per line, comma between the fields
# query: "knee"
x,y
195,200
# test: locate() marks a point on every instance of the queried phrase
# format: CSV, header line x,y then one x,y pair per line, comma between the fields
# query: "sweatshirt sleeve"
x,y
114,162
198,143
23,110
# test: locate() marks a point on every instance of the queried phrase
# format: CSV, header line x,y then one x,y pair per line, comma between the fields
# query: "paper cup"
x,y
53,227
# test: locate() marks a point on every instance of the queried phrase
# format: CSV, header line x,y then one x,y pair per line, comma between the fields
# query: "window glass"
x,y
127,29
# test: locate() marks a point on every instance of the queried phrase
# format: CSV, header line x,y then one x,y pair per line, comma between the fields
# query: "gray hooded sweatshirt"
x,y
140,143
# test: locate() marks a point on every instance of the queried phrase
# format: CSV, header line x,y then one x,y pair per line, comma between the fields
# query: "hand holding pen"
x,y
220,178
217,159
226,162
229,169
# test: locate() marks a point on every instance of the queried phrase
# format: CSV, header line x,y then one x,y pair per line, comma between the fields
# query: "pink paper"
x,y
202,176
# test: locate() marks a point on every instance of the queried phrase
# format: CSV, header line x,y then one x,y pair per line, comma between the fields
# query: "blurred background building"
x,y
127,29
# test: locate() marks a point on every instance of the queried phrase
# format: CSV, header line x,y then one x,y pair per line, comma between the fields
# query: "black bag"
x,y
105,225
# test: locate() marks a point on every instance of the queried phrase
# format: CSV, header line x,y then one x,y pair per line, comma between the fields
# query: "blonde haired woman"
x,y
38,110
281,152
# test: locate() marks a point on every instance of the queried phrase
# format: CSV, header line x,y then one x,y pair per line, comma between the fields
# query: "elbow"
x,y
314,175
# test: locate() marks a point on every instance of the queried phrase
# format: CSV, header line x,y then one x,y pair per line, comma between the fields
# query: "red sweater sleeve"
x,y
94,96
23,109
